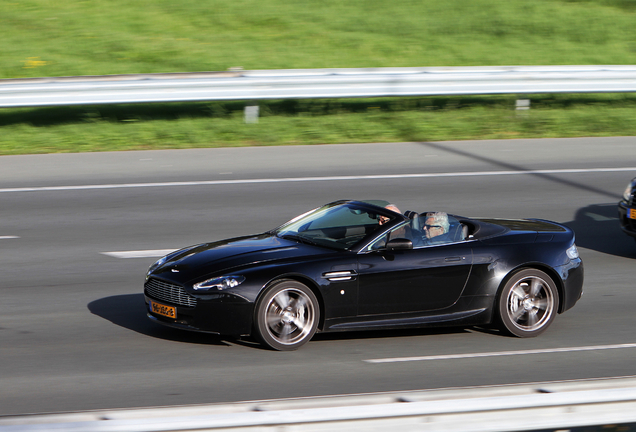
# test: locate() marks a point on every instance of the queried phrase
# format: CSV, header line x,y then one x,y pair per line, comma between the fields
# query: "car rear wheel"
x,y
286,316
527,303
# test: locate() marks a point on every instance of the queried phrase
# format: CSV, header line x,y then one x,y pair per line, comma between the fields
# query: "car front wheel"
x,y
286,316
527,303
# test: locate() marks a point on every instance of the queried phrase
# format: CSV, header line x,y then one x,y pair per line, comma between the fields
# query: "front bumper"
x,y
572,277
227,315
628,225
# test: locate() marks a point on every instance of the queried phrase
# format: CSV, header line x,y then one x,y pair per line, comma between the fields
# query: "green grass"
x,y
81,37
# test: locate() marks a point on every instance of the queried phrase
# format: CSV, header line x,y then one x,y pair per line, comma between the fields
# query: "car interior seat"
x,y
464,232
457,232
415,228
415,219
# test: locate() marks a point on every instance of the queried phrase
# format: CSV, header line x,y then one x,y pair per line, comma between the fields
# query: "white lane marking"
x,y
312,179
157,253
8,237
501,353
599,218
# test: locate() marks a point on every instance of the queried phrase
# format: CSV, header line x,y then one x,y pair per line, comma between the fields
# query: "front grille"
x,y
168,292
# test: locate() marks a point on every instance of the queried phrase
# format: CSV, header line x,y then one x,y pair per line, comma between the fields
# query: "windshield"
x,y
337,226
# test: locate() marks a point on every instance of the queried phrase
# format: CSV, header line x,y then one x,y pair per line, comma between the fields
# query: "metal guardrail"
x,y
536,407
315,83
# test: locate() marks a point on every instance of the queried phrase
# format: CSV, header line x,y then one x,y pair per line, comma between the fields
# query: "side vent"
x,y
340,276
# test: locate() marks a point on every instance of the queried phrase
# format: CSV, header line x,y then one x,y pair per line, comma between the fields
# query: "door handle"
x,y
452,259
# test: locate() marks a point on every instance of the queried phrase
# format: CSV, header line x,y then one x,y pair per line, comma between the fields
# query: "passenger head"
x,y
436,224
383,219
392,207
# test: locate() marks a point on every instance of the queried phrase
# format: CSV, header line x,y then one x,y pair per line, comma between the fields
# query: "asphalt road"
x,y
73,330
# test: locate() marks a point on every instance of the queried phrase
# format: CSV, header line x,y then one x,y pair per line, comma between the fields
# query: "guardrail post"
x,y
523,104
251,114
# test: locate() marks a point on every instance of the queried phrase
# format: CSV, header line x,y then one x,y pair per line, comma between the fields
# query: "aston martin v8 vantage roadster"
x,y
357,265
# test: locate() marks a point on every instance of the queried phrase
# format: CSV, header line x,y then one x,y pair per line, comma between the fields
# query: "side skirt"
x,y
466,317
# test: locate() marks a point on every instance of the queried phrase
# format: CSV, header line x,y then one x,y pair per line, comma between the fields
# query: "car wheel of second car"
x,y
528,303
286,315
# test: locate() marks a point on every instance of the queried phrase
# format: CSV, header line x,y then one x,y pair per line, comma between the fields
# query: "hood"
x,y
207,258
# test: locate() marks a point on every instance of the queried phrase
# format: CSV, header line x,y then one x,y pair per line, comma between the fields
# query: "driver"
x,y
436,227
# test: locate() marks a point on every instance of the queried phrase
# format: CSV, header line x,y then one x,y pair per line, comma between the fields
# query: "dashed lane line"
x,y
155,253
502,353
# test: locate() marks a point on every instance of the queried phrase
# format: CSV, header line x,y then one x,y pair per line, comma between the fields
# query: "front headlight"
x,y
572,252
219,283
627,195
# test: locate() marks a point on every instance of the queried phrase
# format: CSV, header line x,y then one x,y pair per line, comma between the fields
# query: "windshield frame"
x,y
363,233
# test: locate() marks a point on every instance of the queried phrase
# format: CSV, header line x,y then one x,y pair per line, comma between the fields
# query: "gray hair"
x,y
441,219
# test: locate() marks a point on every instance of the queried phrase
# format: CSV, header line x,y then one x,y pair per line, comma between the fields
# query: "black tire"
x,y
527,303
287,316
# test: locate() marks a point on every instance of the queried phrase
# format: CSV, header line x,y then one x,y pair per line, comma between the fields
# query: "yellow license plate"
x,y
167,311
631,213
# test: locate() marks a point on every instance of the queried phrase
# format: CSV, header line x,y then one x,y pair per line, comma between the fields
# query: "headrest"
x,y
415,221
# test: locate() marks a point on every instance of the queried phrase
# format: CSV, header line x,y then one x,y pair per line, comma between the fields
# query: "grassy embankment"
x,y
44,38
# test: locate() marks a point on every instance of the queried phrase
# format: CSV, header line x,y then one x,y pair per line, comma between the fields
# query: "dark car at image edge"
x,y
627,209
338,268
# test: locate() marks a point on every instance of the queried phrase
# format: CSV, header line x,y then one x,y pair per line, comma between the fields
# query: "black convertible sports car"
x,y
627,209
353,265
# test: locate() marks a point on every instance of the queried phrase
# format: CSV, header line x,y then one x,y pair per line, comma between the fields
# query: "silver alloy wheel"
x,y
528,303
287,316
290,316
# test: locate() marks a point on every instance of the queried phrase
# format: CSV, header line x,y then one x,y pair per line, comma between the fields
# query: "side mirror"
x,y
399,244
